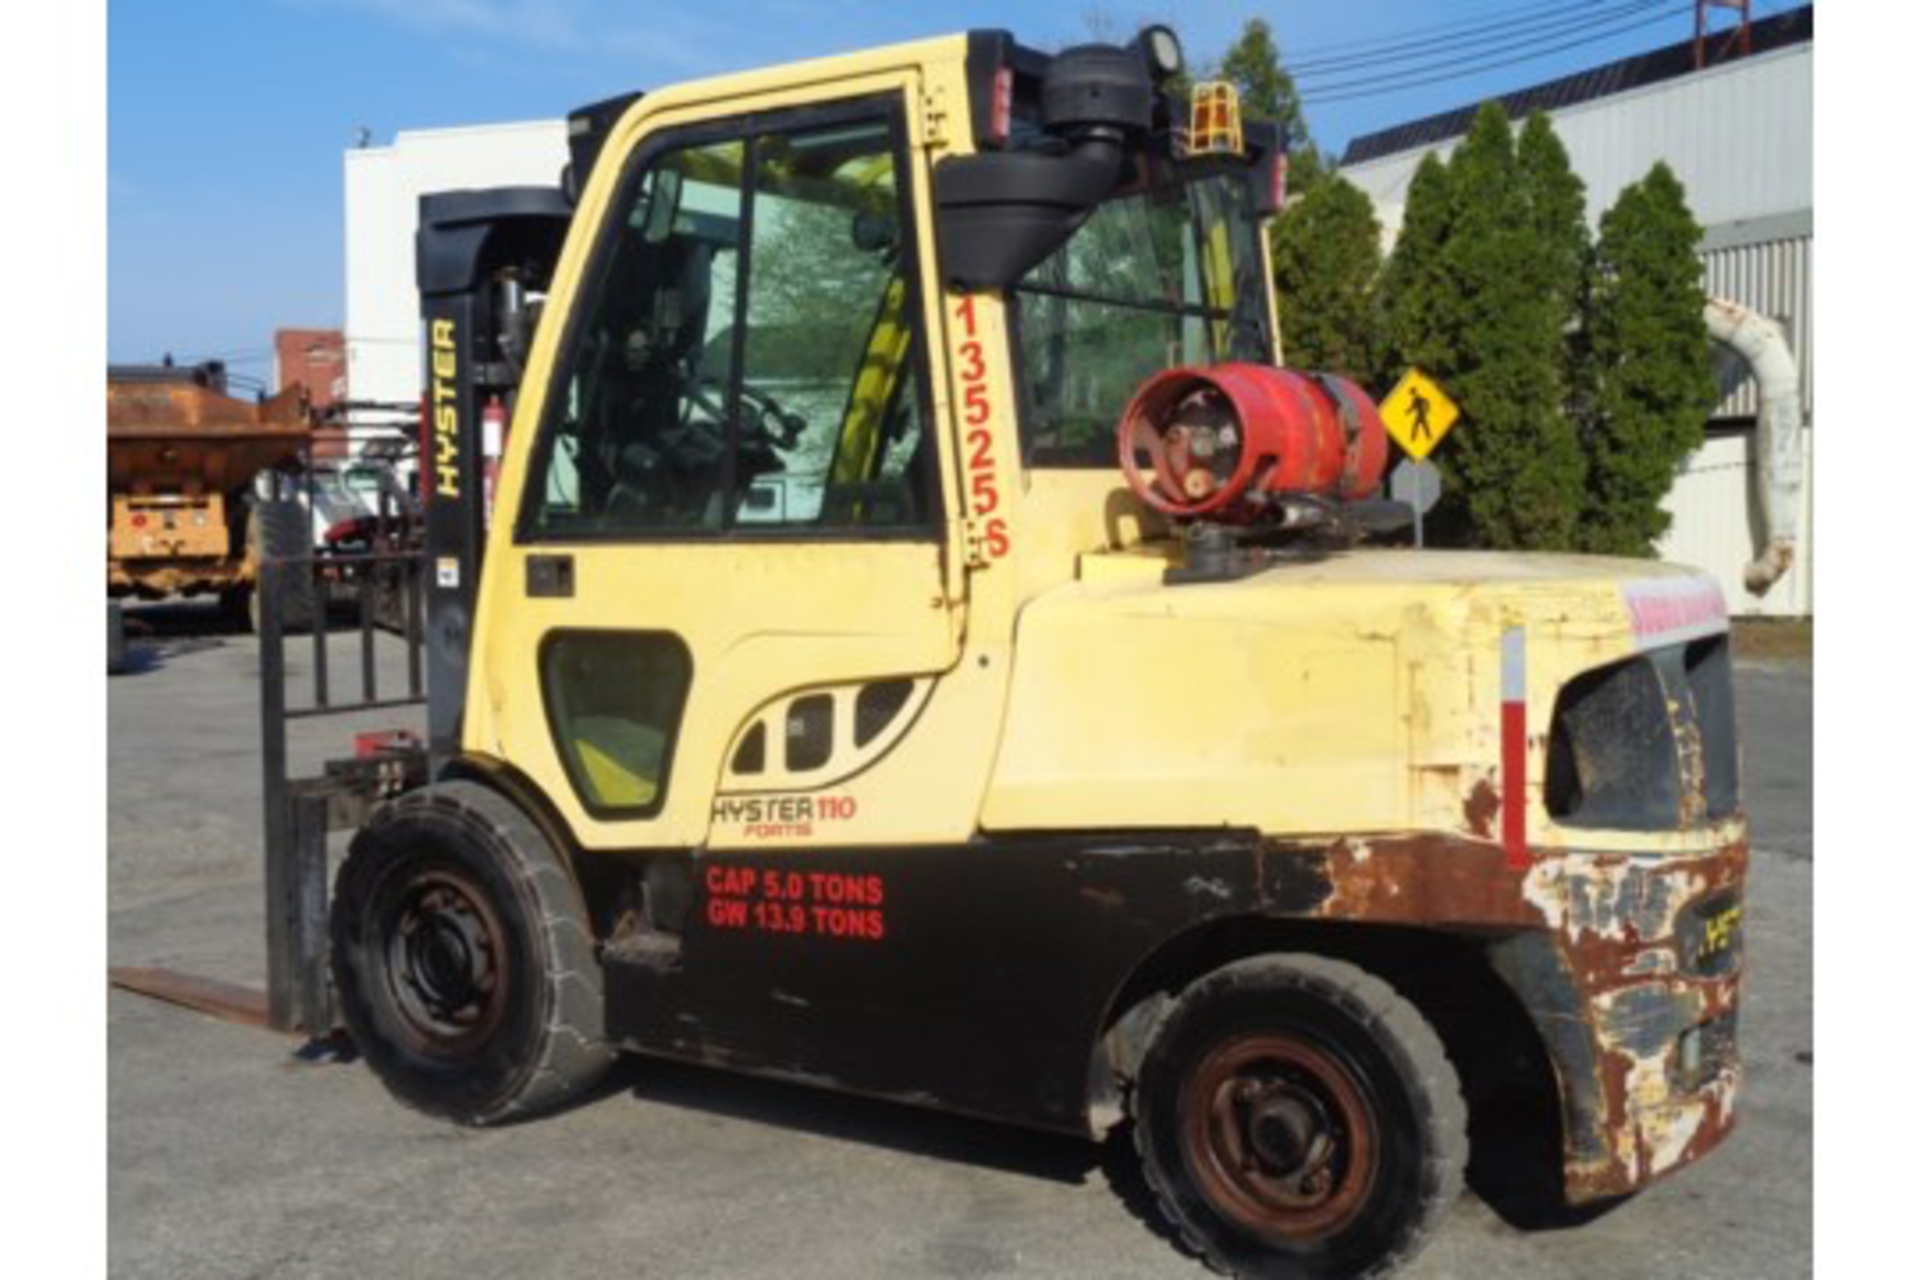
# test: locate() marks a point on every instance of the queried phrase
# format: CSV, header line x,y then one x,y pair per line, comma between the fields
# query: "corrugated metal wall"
x,y
1715,501
1716,526
1775,278
1740,138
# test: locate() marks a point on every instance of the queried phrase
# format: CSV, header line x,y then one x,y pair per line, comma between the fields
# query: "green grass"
x,y
1773,639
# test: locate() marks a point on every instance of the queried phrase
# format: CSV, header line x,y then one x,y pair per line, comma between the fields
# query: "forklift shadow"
x,y
159,633
876,1122
1512,1172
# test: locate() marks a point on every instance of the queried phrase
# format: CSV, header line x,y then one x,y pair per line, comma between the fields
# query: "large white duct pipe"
x,y
1760,342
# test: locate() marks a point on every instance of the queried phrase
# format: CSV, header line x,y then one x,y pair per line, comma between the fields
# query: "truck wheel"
x,y
278,528
116,639
1296,1117
462,959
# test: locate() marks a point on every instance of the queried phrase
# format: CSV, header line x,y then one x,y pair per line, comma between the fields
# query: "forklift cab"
x,y
730,499
761,502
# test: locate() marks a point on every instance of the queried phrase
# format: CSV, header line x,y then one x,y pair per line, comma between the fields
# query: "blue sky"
x,y
226,119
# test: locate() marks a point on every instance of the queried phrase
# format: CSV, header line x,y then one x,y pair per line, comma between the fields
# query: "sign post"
x,y
1418,415
1418,485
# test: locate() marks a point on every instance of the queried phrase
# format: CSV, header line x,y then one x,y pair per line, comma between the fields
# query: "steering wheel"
x,y
768,421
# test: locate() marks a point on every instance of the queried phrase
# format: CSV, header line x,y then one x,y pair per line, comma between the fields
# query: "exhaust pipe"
x,y
1760,342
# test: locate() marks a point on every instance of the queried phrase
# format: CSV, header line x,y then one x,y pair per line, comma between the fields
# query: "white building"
x,y
1739,135
383,190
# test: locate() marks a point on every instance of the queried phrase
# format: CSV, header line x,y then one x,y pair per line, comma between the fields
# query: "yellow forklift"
x,y
892,622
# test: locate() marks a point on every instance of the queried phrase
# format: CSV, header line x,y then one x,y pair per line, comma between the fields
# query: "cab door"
x,y
733,492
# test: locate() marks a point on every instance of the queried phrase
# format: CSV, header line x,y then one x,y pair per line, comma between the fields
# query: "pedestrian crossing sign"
x,y
1418,414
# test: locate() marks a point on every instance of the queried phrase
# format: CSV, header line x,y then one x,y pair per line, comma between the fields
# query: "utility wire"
x,y
1539,29
1610,23
1451,24
1366,88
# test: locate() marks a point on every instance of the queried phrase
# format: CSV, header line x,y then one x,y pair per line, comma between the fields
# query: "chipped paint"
x,y
1481,808
1621,899
1651,962
1667,1138
1690,749
1644,948
1198,886
1644,1019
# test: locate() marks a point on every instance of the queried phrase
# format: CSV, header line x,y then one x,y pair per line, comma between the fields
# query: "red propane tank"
x,y
1221,441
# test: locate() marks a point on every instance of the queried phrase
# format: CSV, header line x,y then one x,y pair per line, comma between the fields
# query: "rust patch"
x,y
1691,750
1623,930
1633,904
1482,808
244,1005
1427,880
1621,926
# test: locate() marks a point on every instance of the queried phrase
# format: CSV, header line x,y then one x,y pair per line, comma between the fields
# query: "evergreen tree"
x,y
1326,249
1515,460
1653,384
1252,65
1558,203
1417,301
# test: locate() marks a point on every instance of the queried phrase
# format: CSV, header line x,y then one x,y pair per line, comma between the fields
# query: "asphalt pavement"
x,y
231,1157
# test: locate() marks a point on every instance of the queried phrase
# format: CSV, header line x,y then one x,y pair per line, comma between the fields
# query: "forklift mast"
x,y
482,262
483,259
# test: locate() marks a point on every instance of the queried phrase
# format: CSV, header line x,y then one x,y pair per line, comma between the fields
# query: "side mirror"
x,y
1002,212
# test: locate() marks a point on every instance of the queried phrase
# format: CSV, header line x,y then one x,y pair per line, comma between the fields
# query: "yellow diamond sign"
x,y
1418,414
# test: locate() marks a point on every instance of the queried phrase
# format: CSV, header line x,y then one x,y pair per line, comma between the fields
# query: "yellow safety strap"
x,y
856,456
1218,274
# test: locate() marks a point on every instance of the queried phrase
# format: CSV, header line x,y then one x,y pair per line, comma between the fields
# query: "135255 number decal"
x,y
976,412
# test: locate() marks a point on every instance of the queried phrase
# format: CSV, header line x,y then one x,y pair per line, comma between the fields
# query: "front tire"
x,y
462,958
1296,1117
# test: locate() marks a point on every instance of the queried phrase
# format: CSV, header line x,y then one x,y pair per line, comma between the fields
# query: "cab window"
x,y
613,700
747,358
1162,275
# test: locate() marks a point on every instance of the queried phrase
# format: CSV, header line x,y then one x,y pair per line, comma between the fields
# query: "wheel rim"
x,y
447,962
1280,1136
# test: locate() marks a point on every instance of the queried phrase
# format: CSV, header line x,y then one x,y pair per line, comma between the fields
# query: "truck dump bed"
x,y
163,435
181,456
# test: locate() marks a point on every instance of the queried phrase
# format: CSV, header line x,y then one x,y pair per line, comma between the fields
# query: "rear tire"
x,y
462,958
116,639
1296,1117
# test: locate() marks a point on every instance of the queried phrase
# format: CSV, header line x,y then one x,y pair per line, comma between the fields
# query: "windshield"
x,y
1159,276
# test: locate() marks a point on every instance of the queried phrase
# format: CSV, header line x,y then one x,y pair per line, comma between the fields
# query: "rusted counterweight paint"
x,y
987,977
1628,965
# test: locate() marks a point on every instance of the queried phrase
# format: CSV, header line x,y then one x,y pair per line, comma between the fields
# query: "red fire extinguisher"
x,y
493,444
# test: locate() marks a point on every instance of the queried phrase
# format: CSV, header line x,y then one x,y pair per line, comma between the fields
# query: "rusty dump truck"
x,y
182,460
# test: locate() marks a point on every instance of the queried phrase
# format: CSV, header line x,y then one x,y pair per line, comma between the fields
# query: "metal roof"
x,y
1675,60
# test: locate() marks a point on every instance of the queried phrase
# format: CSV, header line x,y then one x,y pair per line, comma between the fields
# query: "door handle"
x,y
550,576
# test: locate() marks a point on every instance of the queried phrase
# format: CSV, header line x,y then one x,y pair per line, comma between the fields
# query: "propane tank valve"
x,y
1245,443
